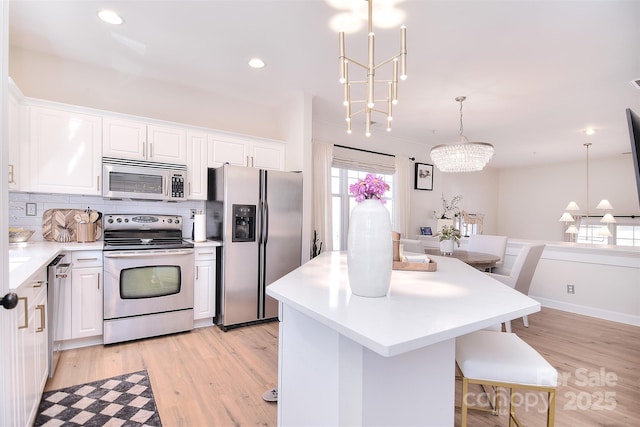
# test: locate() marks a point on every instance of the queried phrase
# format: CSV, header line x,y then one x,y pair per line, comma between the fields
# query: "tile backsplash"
x,y
18,208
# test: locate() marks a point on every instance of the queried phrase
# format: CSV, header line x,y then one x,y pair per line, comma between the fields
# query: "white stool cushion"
x,y
502,357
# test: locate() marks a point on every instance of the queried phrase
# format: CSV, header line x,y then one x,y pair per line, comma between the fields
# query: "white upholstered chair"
x,y
520,274
494,245
501,359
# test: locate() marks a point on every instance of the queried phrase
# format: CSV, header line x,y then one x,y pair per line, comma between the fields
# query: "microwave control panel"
x,y
177,186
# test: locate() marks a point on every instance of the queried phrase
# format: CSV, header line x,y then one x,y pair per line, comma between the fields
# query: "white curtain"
x,y
322,158
402,195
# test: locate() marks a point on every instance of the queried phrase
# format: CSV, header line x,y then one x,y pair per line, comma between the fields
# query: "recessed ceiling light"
x,y
590,131
256,63
110,17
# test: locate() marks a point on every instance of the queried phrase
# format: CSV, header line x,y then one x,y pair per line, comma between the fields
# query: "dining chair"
x,y
502,359
519,276
489,244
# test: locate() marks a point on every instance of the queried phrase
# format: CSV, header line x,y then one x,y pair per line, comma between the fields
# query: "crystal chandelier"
x,y
463,157
399,62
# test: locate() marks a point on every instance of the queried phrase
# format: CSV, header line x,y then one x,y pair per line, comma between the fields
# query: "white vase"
x,y
369,249
446,247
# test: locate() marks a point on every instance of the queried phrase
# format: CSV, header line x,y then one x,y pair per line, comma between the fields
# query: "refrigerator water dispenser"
x,y
244,224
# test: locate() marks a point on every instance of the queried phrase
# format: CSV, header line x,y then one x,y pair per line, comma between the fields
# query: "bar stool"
x,y
501,359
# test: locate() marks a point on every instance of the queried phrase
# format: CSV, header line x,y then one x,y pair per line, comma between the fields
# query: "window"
x,y
343,202
627,232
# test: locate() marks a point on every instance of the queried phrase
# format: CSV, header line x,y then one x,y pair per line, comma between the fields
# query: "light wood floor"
x,y
212,378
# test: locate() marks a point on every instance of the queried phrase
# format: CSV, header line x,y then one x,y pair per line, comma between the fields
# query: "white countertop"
x,y
422,308
25,259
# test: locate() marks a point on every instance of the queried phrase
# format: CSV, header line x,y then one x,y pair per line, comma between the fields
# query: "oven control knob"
x,y
119,220
169,220
126,220
177,221
110,220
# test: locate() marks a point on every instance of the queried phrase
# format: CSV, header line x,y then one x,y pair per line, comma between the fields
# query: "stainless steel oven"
x,y
148,277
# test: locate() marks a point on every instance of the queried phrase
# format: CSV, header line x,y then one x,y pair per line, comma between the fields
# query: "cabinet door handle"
x,y
204,253
98,183
197,272
87,259
11,179
39,283
151,150
247,161
26,312
98,281
144,149
43,323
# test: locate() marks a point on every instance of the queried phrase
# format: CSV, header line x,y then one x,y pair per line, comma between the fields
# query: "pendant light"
x,y
604,205
463,157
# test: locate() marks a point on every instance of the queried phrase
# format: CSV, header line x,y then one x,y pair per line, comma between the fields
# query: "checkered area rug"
x,y
125,400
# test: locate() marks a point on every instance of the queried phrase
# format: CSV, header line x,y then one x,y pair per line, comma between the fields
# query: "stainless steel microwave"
x,y
132,179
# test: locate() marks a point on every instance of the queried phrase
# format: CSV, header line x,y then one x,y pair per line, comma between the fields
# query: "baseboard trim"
x,y
599,313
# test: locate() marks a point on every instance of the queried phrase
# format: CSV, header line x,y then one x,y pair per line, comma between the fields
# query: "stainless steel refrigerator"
x,y
258,216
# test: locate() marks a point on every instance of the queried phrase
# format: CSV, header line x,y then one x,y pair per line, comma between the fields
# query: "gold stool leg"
x,y
463,406
551,410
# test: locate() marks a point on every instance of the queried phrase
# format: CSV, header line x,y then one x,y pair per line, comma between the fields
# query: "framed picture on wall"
x,y
424,177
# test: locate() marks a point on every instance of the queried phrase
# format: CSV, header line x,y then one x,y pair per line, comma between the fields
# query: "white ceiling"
x,y
535,73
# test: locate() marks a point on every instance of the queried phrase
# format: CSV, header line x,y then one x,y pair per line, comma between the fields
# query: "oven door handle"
x,y
138,254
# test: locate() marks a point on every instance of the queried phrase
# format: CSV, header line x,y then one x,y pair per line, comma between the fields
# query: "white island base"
x,y
346,384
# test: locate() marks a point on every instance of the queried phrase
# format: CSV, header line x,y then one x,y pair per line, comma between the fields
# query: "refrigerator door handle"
x,y
265,223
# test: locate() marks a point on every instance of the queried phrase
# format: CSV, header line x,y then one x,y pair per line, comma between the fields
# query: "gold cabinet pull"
x,y
43,321
26,312
11,179
39,283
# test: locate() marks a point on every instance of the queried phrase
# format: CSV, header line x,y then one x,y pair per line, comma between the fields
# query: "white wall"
x,y
532,199
47,77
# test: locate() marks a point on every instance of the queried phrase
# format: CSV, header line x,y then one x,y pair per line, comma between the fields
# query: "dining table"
x,y
479,260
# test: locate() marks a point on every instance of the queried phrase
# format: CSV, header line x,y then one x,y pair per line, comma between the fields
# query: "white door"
x,y
6,359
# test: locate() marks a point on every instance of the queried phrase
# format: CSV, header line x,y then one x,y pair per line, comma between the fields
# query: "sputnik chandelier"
x,y
370,103
462,157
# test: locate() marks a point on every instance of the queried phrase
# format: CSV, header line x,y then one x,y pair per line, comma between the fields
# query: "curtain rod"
x,y
368,151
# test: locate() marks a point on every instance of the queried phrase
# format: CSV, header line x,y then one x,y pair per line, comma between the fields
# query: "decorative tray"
x,y
415,266
54,221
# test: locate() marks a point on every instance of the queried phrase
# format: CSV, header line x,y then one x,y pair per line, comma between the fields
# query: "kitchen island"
x,y
350,360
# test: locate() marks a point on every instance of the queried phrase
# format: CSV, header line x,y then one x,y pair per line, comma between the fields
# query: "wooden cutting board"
x,y
55,220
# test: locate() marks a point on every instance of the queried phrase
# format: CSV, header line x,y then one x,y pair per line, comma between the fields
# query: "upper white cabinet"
x,y
14,131
129,139
65,151
196,165
245,152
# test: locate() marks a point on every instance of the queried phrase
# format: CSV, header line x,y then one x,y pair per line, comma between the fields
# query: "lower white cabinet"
x,y
204,292
86,294
32,354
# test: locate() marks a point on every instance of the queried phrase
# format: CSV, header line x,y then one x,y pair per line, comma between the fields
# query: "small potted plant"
x,y
448,235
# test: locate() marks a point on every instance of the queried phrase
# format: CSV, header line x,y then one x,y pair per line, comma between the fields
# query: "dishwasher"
x,y
59,280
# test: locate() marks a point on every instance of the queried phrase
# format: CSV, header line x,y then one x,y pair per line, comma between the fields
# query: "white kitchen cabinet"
x,y
86,294
65,151
134,140
32,354
245,151
267,155
204,292
196,165
16,166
